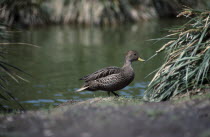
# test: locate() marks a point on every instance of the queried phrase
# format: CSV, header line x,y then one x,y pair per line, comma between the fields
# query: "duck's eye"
x,y
135,54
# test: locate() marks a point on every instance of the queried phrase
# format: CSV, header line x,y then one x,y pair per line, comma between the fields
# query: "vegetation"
x,y
7,72
186,67
22,12
90,12
166,8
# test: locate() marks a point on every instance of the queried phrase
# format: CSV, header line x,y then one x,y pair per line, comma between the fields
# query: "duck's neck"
x,y
127,69
127,65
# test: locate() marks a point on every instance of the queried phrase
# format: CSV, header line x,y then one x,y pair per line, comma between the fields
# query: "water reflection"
x,y
68,53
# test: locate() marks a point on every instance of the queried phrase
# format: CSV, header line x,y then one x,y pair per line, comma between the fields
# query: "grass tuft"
x,y
186,67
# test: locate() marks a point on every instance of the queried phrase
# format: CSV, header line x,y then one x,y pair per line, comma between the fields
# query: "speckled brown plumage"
x,y
111,79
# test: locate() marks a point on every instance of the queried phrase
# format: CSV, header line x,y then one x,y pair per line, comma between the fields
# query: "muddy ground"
x,y
114,117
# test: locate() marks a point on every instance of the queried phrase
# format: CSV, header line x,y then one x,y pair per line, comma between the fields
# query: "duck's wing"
x,y
101,73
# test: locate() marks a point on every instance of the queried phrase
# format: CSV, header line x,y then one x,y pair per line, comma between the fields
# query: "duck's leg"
x,y
108,92
117,95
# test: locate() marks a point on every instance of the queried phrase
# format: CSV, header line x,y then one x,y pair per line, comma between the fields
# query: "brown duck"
x,y
111,79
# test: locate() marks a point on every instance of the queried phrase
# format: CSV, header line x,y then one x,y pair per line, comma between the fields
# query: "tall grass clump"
x,y
186,67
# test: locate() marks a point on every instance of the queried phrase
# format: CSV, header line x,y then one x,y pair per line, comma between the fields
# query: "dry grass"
x,y
187,63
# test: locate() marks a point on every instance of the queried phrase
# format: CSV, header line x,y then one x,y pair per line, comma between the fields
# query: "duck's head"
x,y
133,55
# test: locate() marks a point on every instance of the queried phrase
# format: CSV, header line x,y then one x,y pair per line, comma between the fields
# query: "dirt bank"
x,y
102,117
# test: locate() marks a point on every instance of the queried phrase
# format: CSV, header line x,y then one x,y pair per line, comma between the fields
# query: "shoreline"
x,y
114,117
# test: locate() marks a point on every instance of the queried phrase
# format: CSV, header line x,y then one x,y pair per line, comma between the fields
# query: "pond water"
x,y
67,53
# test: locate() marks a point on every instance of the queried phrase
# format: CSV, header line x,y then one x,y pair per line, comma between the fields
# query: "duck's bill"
x,y
140,59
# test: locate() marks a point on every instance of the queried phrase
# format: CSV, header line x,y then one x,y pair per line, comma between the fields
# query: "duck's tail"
x,y
82,88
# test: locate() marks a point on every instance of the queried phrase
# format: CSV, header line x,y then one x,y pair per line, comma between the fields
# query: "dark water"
x,y
68,53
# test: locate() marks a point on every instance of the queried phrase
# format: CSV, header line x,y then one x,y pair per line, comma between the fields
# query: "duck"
x,y
111,79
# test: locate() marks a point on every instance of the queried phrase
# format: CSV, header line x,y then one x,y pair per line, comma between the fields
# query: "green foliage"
x,y
187,63
7,71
